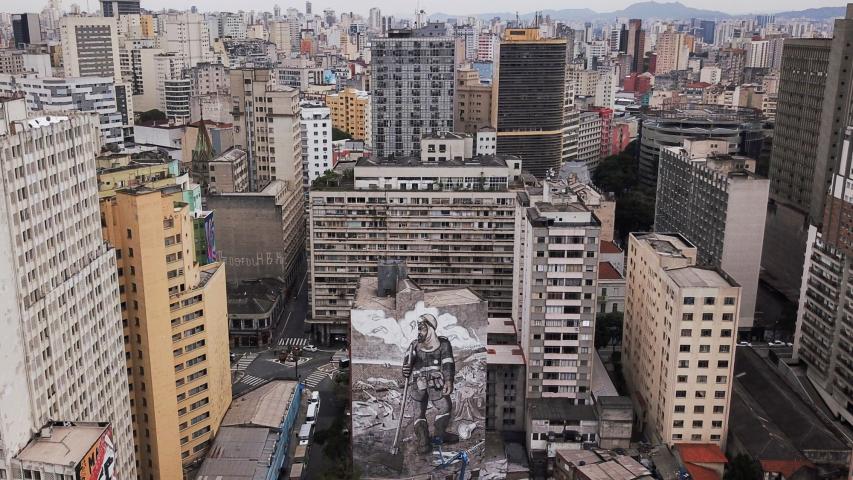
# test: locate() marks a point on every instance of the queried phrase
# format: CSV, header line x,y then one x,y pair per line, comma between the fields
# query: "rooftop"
x,y
607,272
264,407
254,296
667,244
66,445
238,454
366,297
504,355
560,409
698,277
608,247
478,161
502,326
231,155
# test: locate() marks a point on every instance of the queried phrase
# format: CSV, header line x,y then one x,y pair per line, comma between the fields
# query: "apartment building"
x,y
187,35
90,47
473,106
823,340
589,140
64,357
411,90
317,152
350,110
175,328
114,8
672,52
86,94
448,215
269,127
529,106
715,200
558,243
678,340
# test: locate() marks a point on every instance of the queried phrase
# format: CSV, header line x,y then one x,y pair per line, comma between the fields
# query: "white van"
x,y
311,417
315,397
305,433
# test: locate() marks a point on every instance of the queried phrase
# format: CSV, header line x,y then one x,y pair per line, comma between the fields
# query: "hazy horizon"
x,y
471,7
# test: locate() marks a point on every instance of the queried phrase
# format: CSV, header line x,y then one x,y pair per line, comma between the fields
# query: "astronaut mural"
x,y
419,386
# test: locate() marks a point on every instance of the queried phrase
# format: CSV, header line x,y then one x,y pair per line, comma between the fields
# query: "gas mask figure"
x,y
432,369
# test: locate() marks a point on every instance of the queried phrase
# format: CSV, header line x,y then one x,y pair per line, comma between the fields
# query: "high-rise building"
x,y
678,342
86,94
64,358
758,54
465,240
411,90
374,20
186,34
316,123
529,106
823,339
715,200
636,44
268,116
26,29
90,47
589,140
794,160
473,107
350,110
176,327
672,52
669,127
114,8
557,246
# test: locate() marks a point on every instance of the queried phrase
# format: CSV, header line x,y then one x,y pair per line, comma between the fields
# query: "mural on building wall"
x,y
99,461
418,390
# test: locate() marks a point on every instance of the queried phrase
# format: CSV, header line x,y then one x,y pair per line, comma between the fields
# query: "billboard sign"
x,y
99,461
419,388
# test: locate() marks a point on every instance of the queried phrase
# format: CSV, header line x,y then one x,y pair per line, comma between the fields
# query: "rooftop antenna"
x,y
517,21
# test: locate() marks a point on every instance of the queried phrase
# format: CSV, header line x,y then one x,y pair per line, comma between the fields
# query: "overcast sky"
x,y
455,7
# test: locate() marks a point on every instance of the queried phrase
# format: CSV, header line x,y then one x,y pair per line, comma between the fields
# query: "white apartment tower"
x,y
316,121
678,340
90,47
63,358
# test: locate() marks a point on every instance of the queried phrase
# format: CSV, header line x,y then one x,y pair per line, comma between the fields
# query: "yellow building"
x,y
175,329
351,112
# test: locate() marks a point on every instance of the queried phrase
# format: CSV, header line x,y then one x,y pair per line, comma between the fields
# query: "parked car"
x,y
309,348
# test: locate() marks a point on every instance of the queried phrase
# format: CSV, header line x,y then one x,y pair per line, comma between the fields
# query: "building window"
x,y
689,300
710,300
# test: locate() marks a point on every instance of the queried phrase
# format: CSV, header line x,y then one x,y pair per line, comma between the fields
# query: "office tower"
x,y
669,127
678,340
706,31
557,243
715,200
86,94
473,107
589,140
268,116
186,34
26,29
114,8
176,327
487,44
636,44
64,354
764,20
795,161
350,111
90,47
672,52
732,62
316,127
374,20
411,90
528,109
466,238
823,338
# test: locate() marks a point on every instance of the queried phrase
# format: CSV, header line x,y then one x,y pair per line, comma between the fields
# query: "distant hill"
x,y
649,9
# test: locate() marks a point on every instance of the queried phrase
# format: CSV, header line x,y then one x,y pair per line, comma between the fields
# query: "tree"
x,y
608,329
743,467
635,212
152,116
338,134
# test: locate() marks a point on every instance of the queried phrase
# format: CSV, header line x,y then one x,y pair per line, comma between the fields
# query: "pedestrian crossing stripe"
x,y
252,380
292,342
246,360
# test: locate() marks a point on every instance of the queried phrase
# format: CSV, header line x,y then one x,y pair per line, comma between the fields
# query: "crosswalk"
x,y
253,381
245,361
292,342
322,373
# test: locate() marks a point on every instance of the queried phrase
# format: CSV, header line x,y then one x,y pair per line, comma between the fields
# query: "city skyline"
x,y
451,8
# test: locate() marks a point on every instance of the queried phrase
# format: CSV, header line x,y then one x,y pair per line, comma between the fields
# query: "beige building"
x,y
678,342
268,121
351,112
672,52
175,328
90,47
473,106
